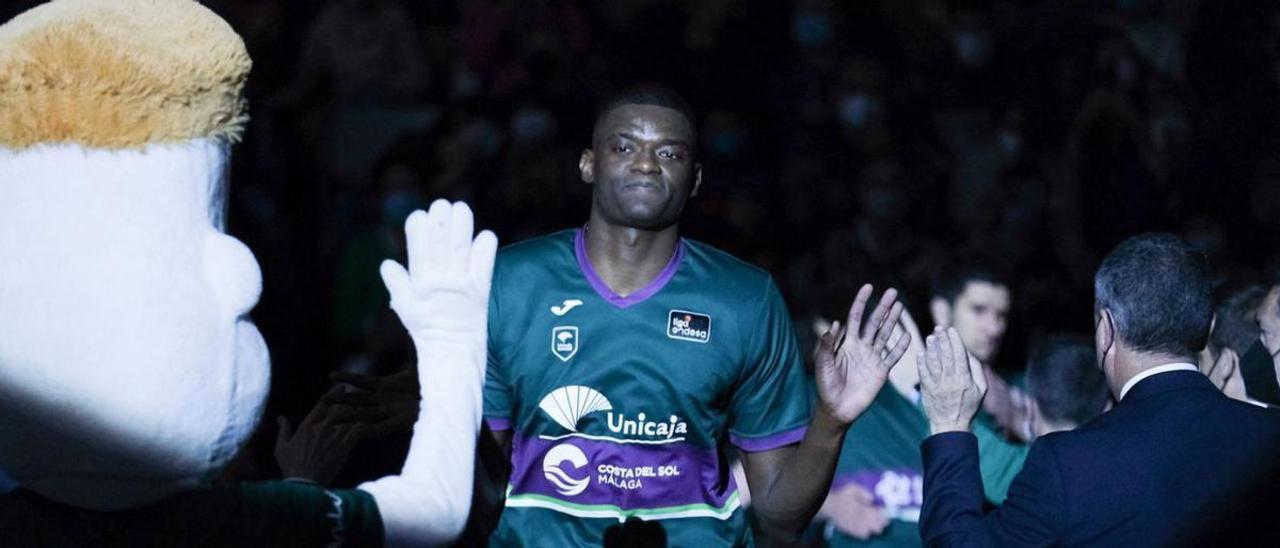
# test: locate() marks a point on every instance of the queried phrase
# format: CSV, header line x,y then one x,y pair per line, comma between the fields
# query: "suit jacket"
x,y
1174,463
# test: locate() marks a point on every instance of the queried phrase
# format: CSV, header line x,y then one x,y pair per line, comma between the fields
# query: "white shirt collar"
x,y
1156,371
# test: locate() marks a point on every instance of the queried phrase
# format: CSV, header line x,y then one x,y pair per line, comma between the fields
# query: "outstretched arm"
x,y
443,301
789,484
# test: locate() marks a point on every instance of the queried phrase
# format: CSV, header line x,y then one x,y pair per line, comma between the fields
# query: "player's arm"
x,y
789,483
503,437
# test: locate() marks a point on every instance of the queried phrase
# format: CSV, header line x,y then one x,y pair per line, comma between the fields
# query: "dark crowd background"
x,y
842,142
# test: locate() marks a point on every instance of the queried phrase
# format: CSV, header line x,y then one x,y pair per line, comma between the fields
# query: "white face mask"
x,y
127,343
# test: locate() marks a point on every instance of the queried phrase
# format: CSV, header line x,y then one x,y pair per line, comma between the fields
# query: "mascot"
x,y
130,373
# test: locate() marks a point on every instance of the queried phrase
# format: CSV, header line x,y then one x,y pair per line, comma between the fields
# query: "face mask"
x,y
726,143
972,48
1258,368
856,109
530,125
810,29
1126,71
885,204
397,206
1011,142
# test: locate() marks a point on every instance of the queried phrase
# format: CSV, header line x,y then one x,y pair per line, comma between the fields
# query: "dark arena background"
x,y
841,142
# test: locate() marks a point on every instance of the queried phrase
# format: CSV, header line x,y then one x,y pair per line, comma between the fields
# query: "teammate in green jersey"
x,y
625,359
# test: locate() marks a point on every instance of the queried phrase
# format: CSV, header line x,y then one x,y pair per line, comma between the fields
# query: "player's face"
x,y
980,314
642,167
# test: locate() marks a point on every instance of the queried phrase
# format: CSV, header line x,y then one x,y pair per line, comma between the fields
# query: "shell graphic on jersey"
x,y
567,404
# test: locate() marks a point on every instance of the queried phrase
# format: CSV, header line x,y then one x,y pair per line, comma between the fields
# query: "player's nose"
x,y
646,162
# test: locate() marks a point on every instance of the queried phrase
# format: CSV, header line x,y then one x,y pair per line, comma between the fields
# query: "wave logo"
x,y
568,404
551,468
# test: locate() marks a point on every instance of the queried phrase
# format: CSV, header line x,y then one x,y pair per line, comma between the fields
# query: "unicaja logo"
x,y
642,426
568,404
551,468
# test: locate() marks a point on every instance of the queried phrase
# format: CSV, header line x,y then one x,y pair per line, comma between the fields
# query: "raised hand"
x,y
443,300
854,360
445,292
952,385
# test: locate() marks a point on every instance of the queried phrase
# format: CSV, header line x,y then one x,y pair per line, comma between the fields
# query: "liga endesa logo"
x,y
688,326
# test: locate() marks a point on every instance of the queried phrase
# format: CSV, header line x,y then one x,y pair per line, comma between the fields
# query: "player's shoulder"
x,y
725,269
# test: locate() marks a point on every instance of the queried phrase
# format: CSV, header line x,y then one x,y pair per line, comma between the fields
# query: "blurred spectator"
x,y
1269,325
1235,329
359,51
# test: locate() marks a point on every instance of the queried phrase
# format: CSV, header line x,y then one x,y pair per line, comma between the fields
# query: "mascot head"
x,y
128,367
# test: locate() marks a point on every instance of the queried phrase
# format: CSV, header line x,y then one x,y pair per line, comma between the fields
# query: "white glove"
x,y
443,300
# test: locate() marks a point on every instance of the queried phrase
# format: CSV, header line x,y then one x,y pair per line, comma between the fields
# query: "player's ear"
x,y
586,166
697,179
940,310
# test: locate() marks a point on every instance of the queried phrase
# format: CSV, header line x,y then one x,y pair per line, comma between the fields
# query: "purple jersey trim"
x,y
756,445
668,272
498,424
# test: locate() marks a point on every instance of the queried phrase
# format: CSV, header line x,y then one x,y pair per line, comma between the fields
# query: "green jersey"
x,y
623,407
881,454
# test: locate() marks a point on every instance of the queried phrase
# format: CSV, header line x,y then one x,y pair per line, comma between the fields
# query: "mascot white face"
x,y
128,367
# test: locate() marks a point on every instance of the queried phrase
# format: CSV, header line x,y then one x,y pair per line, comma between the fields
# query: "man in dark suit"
x,y
1174,463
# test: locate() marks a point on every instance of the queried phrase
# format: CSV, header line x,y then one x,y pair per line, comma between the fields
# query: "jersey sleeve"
x,y
770,407
252,514
497,389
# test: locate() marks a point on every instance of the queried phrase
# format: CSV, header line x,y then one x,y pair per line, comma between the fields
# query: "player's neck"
x,y
627,258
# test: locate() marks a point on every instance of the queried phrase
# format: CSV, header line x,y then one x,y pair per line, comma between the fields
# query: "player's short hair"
x,y
950,282
1064,380
1157,289
652,94
1236,324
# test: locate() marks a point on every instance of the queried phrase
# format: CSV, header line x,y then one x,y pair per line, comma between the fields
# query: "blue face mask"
x,y
397,206
811,29
856,110
972,48
531,124
726,143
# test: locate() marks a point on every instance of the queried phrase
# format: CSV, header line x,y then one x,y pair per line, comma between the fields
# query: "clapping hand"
x,y
854,360
382,405
952,385
852,510
319,448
